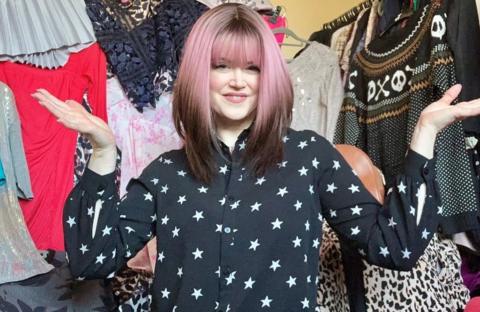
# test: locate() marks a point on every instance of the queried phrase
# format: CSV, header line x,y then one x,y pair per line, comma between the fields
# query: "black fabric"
x,y
215,240
353,269
463,34
144,53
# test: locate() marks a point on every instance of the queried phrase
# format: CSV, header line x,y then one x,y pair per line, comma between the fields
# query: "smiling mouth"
x,y
235,98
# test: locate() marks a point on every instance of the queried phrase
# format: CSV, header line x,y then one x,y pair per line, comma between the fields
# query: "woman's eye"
x,y
220,66
253,68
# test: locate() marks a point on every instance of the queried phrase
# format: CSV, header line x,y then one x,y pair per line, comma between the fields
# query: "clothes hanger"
x,y
289,33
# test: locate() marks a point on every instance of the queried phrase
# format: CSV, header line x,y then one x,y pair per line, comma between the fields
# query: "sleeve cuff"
x,y
98,185
418,165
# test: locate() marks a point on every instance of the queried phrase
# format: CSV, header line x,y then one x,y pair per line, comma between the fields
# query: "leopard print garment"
x,y
435,284
131,290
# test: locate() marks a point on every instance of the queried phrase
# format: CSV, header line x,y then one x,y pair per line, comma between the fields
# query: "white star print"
x,y
219,228
305,303
260,181
296,242
222,201
230,278
425,233
167,162
256,207
355,230
218,271
181,173
336,165
235,205
198,215
249,283
90,212
165,219
315,163
285,139
148,196
83,249
282,164
309,279
277,224
100,258
331,187
333,213
384,251
307,226
266,302
198,254
203,189
175,232
197,293
391,222
224,169
298,205
291,281
254,244
114,253
165,293
313,139
154,218
71,221
412,210
316,242
282,191
362,252
303,144
310,189
356,210
275,265
402,187
440,210
154,181
129,229
180,271
106,230
181,199
242,145
164,189
354,188
161,256
303,171
406,254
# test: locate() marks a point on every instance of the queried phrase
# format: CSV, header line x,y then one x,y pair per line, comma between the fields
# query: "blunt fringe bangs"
x,y
237,33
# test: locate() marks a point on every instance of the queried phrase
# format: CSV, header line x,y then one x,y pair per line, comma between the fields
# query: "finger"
x,y
59,104
450,95
45,103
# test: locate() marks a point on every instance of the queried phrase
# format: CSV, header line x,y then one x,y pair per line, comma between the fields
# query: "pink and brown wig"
x,y
238,34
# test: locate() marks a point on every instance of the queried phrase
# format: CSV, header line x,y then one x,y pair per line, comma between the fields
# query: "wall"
x,y
306,16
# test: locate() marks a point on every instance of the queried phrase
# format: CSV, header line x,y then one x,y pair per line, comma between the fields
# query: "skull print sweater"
x,y
390,82
246,242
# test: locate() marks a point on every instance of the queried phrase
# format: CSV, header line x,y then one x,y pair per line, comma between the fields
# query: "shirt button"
x,y
425,171
227,230
231,198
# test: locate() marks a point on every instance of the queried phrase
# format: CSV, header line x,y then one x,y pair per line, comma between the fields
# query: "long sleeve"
x,y
17,153
101,232
395,235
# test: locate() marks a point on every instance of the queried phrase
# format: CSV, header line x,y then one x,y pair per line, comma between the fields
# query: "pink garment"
x,y
141,137
280,22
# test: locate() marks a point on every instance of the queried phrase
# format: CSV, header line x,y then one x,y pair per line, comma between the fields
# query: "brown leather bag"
x,y
368,173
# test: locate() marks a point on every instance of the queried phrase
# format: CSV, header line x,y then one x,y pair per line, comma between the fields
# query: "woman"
x,y
238,211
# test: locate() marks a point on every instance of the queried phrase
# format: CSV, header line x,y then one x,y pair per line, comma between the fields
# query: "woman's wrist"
x,y
423,139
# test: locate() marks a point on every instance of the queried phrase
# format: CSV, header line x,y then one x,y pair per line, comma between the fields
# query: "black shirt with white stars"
x,y
247,243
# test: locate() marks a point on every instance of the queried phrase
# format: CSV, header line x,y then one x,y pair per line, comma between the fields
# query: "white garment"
x,y
258,5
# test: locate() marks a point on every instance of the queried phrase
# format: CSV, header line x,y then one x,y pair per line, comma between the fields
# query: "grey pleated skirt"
x,y
43,32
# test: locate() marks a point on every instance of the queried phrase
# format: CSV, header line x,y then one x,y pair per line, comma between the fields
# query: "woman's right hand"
x,y
74,116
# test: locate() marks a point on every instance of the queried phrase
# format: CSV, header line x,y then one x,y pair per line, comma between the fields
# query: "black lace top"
x,y
143,42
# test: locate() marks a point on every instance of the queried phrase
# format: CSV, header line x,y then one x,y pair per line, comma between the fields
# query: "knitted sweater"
x,y
390,83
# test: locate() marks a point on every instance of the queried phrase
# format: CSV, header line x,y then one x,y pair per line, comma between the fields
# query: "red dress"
x,y
49,146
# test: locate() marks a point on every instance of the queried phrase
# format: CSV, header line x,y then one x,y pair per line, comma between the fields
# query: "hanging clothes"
x,y
318,90
18,256
43,33
143,49
390,83
49,146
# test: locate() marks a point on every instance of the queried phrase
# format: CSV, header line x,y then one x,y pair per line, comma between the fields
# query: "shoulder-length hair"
x,y
237,33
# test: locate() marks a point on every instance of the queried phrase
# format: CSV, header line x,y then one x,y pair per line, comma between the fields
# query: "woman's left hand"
x,y
439,115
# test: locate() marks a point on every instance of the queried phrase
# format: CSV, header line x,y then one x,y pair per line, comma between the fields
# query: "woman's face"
x,y
234,92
